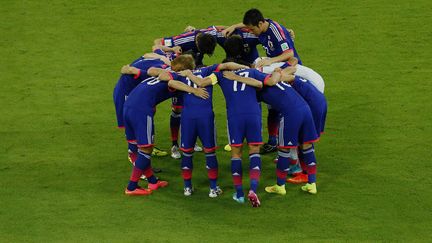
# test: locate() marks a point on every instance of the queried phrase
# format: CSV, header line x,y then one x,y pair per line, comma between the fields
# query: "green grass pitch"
x,y
63,165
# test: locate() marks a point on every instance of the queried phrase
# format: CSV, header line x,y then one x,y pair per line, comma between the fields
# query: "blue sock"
x,y
174,126
310,160
212,169
237,171
132,185
254,170
272,140
282,167
187,167
132,148
142,163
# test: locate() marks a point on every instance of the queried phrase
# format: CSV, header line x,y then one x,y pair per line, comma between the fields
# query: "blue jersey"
x,y
149,93
193,106
129,82
241,98
276,40
250,42
170,55
282,97
187,42
307,90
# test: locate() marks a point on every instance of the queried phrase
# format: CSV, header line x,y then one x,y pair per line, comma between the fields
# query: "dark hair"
x,y
236,60
190,52
253,17
233,47
206,44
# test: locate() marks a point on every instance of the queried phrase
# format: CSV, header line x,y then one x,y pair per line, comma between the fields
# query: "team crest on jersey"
x,y
270,45
168,42
284,46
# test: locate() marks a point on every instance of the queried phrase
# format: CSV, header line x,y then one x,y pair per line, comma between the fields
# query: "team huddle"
x,y
294,95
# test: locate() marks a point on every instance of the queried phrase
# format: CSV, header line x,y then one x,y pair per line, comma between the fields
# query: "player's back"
x,y
240,98
194,106
282,97
131,81
307,90
148,94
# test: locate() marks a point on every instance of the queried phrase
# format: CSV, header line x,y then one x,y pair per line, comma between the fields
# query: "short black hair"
x,y
234,47
253,17
190,52
206,44
236,60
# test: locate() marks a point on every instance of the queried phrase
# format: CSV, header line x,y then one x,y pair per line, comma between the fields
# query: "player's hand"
x,y
201,92
164,75
228,31
189,28
291,33
177,49
166,60
289,70
287,77
230,75
126,69
263,62
185,73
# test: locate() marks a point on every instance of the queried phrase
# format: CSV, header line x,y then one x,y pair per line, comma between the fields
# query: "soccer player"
x,y
244,121
318,105
274,37
246,40
139,111
279,46
296,128
198,121
128,82
200,42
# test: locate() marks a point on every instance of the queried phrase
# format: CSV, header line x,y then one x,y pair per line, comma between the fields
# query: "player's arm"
x,y
202,82
158,42
175,49
292,61
246,80
284,57
153,55
164,75
231,66
199,92
228,31
274,78
287,74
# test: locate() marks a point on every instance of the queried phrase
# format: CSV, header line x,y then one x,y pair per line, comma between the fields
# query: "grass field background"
x,y
63,165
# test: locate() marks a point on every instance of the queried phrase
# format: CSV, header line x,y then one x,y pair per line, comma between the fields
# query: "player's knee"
x,y
211,160
306,146
147,150
176,111
285,150
236,152
254,148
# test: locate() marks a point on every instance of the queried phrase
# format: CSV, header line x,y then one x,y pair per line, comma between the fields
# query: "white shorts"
x,y
302,71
